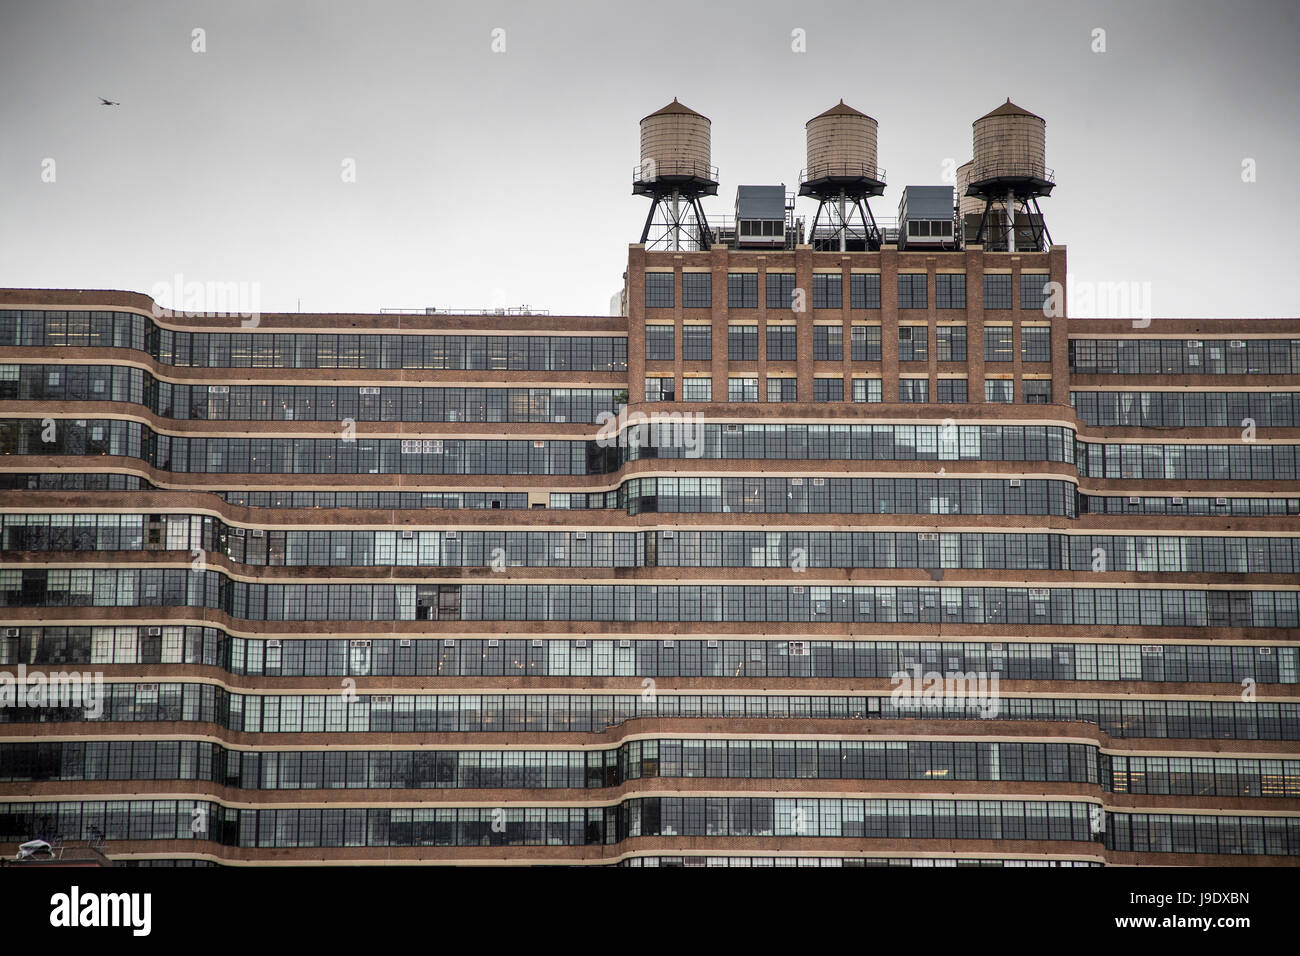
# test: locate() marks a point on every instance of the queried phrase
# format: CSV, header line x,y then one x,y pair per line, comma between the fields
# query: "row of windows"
x,y
828,291
1188,409
308,350
1148,505
594,713
646,759
681,548
831,861
557,657
1246,461
173,587
588,769
828,343
325,403
1185,356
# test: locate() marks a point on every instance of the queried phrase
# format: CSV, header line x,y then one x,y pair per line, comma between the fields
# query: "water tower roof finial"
x,y
1009,109
674,107
839,109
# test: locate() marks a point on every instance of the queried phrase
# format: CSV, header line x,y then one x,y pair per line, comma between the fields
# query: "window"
x,y
658,290
659,343
1036,343
913,390
782,390
828,390
997,343
780,290
742,290
697,389
911,291
697,290
742,389
865,343
1033,290
950,291
866,390
697,343
951,342
864,291
781,343
912,343
659,390
997,390
1038,391
828,291
952,391
742,343
828,343
997,292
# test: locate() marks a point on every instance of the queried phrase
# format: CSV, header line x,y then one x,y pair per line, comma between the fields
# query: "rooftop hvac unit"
x,y
448,643
927,536
361,643
1134,500
404,642
1177,500
798,649
1014,482
713,643
493,642
1221,502
273,642
369,390
625,643
408,534
153,632
536,643
818,482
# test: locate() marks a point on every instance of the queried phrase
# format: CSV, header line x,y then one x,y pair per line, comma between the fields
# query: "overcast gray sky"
x,y
488,178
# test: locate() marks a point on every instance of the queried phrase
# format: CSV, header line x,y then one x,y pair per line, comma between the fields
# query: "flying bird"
x,y
104,102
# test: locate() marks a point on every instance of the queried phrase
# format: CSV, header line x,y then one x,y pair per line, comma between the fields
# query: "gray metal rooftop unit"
x,y
761,216
925,217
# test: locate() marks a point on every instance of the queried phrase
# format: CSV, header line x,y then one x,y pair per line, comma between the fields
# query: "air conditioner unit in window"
x,y
670,643
624,643
995,647
360,643
798,649
258,533
1152,649
240,532
579,536
450,535
1193,343
537,643
818,482
670,534
1266,651
1236,344
11,632
493,642
713,643
539,444
1221,502
796,590
1134,500
274,642
369,390
407,535
579,643
733,428
153,632
1041,594
404,642
218,389
1014,482
147,688
1177,500
927,536
449,643
381,698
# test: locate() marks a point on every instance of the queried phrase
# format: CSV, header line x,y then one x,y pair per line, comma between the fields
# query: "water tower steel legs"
x,y
1011,220
844,237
